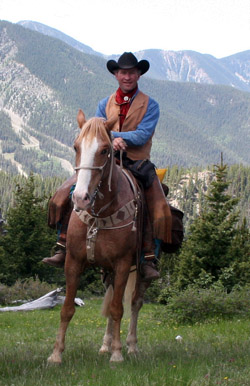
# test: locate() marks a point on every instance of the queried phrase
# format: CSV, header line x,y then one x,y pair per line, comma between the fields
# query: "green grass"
x,y
211,353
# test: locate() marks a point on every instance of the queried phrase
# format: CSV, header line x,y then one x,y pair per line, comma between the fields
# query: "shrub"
x,y
196,305
166,294
29,289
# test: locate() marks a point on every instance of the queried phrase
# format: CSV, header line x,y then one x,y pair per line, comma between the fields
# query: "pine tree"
x,y
238,273
28,238
207,252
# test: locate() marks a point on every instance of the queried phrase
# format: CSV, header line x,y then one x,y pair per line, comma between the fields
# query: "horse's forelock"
x,y
94,128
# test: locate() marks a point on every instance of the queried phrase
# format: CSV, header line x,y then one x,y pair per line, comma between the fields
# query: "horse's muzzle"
x,y
81,202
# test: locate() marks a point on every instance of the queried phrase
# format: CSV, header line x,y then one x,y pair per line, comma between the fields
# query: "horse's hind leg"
x,y
72,273
136,305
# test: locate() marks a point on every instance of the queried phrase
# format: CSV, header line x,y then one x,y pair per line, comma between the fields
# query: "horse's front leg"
x,y
73,271
107,339
116,309
136,305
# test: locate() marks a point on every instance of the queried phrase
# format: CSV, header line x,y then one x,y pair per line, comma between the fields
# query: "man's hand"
x,y
119,144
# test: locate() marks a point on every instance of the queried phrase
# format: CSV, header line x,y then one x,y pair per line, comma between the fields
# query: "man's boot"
x,y
58,259
148,269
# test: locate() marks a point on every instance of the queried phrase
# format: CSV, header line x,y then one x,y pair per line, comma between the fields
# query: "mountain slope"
x,y
43,83
181,66
239,64
54,33
190,66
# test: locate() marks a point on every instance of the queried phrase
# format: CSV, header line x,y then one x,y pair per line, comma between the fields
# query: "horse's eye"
x,y
104,151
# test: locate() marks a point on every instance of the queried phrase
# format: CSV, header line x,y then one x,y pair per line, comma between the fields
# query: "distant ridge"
x,y
180,66
49,31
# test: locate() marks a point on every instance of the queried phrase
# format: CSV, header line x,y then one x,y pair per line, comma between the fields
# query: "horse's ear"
x,y
109,124
81,118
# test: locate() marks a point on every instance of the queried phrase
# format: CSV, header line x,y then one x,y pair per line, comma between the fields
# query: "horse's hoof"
x,y
54,359
133,350
116,357
104,350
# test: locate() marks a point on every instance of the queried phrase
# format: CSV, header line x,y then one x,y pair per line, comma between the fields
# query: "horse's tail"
x,y
130,286
107,300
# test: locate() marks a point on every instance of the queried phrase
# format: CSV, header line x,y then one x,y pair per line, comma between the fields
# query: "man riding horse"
x,y
136,118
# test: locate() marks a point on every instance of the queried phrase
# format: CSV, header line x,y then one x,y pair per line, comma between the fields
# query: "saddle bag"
x,y
177,231
60,203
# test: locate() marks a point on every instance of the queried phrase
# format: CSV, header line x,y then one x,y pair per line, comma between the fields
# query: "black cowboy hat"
x,y
126,61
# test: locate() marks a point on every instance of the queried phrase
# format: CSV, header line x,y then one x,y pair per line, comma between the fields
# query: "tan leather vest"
x,y
134,116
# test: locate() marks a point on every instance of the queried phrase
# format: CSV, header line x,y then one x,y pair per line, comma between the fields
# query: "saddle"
x,y
158,209
169,229
142,170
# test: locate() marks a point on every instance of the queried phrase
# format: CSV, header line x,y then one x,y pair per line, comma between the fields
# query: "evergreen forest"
x,y
187,188
215,251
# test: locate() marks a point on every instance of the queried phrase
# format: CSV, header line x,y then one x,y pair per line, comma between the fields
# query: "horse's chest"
x,y
112,236
110,245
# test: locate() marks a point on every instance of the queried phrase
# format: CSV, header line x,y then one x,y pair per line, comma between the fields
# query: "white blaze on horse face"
x,y
81,192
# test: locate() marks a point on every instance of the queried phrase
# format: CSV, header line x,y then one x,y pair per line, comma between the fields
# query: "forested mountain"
x,y
44,81
182,66
191,66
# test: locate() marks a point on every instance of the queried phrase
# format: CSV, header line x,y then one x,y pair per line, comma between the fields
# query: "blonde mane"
x,y
94,128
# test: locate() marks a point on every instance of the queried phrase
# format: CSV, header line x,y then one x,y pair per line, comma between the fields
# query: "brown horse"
x,y
103,232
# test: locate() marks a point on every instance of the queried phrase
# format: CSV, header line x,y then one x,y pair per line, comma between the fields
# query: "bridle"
x,y
97,189
93,167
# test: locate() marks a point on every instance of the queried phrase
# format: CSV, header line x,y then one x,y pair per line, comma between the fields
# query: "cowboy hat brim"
x,y
142,66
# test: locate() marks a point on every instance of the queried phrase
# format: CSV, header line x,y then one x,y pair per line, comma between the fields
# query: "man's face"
x,y
127,79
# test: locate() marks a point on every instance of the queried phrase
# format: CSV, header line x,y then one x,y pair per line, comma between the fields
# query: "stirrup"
x,y
149,271
58,259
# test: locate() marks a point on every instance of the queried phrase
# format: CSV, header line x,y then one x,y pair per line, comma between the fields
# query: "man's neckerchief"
x,y
123,99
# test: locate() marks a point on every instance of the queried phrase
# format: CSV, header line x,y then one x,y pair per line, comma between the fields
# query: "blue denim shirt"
x,y
143,131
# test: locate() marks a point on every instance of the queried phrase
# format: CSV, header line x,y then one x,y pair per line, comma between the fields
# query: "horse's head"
x,y
93,149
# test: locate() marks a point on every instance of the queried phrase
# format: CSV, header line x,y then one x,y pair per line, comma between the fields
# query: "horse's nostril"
x,y
86,197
